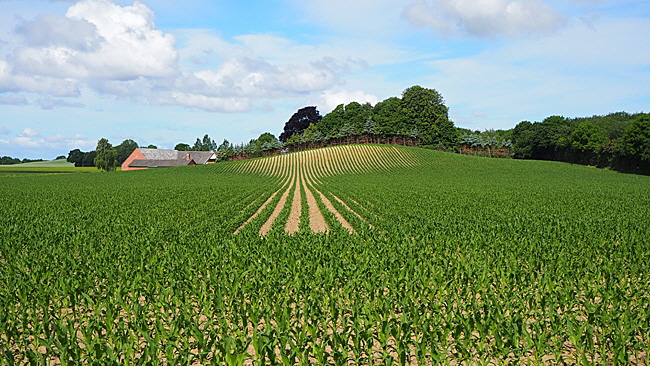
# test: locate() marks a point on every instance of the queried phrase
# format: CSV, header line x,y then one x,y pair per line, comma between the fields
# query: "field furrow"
x,y
305,169
439,259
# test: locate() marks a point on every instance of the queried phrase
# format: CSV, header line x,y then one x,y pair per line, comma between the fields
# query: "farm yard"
x,y
355,254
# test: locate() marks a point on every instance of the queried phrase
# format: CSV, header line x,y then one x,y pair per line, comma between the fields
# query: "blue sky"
x,y
165,71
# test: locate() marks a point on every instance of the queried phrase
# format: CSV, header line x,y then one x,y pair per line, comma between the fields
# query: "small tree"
x,y
225,151
182,147
106,158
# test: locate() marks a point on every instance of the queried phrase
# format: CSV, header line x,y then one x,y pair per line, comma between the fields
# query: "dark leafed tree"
x,y
125,149
300,121
182,147
89,159
76,156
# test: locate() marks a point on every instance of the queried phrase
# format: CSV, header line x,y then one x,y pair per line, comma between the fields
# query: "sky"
x,y
163,72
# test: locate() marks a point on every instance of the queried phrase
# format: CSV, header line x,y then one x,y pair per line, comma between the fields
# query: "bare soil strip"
x,y
317,222
350,209
258,210
293,222
328,204
276,212
303,170
332,209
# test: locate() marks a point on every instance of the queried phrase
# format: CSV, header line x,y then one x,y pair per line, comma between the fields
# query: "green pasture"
x,y
60,163
43,167
456,260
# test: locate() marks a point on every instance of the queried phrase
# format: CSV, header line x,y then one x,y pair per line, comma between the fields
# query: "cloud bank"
x,y
484,18
118,51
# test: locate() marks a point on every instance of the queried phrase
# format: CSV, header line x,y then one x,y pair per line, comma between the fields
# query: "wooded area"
x,y
619,141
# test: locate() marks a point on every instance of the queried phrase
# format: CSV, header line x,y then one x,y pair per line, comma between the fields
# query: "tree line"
x,y
108,154
8,160
619,141
419,117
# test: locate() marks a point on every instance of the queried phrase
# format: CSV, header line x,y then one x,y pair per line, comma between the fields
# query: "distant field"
x,y
43,167
365,255
61,163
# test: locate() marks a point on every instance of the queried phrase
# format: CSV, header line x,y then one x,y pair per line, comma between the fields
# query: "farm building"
x,y
144,158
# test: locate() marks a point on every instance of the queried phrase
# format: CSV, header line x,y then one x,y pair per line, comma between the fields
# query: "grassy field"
x,y
351,254
60,163
43,167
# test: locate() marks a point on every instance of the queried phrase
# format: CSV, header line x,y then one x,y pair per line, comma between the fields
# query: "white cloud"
x,y
484,18
49,143
214,104
29,132
10,81
328,100
24,141
55,138
260,78
118,51
96,39
53,30
4,130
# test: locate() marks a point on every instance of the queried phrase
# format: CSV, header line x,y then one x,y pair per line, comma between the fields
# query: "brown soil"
x,y
316,220
349,209
332,209
293,223
257,212
276,212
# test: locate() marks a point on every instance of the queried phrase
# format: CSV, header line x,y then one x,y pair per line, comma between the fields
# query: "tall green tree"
x,y
427,110
634,146
225,151
106,158
205,144
389,117
587,136
331,123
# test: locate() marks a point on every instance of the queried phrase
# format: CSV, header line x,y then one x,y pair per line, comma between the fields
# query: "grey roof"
x,y
159,154
199,157
144,163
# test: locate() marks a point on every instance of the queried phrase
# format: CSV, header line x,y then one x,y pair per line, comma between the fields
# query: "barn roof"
x,y
159,154
199,157
147,163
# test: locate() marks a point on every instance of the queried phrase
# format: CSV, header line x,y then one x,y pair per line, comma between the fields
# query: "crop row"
x,y
300,173
456,260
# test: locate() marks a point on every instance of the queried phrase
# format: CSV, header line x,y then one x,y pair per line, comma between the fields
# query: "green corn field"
x,y
347,255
